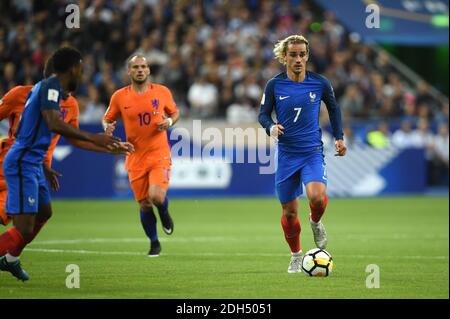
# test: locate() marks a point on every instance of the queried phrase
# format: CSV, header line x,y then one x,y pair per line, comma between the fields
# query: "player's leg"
x,y
139,185
315,179
148,221
4,219
288,191
159,183
43,215
159,198
23,208
16,236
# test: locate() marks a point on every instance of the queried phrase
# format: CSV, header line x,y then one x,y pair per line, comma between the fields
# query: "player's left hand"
x,y
52,177
341,149
125,148
164,124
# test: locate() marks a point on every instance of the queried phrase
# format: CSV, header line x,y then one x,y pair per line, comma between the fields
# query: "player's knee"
x,y
317,199
157,199
145,205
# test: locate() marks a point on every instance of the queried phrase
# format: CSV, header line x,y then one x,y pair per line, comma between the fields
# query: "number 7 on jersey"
x,y
298,109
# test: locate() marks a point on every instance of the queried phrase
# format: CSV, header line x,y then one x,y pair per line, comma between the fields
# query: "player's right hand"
x,y
52,177
276,130
109,141
110,127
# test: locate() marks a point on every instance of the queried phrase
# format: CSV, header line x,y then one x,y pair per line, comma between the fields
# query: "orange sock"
x,y
291,230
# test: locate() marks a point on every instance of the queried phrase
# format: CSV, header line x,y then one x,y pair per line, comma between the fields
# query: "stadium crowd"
x,y
215,56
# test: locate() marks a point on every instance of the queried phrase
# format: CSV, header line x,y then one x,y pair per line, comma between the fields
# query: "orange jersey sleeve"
x,y
69,114
141,114
169,107
113,111
11,107
12,104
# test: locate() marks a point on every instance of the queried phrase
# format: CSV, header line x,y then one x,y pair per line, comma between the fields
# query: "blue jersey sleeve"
x,y
267,106
334,111
50,95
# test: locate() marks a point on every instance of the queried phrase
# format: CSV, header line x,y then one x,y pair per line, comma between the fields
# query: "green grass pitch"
x,y
234,248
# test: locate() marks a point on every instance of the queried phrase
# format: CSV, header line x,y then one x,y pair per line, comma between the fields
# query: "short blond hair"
x,y
280,48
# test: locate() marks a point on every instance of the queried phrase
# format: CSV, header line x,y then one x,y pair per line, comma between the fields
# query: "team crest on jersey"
x,y
31,200
312,97
155,104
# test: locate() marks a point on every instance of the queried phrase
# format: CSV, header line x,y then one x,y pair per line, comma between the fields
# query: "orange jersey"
x,y
140,114
69,114
11,107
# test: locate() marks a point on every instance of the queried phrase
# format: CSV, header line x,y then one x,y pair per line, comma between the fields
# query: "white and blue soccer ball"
x,y
317,263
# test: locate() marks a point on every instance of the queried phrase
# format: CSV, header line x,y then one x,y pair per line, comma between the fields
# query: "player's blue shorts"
x,y
27,187
293,169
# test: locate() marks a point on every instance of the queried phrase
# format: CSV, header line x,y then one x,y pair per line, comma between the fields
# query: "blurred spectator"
x,y
241,111
403,137
352,103
203,98
423,94
442,115
93,109
422,136
380,137
439,174
230,43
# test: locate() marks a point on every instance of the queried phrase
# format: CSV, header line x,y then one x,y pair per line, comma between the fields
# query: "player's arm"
x,y
111,115
53,119
122,148
168,121
334,112
170,109
125,148
50,98
6,104
265,113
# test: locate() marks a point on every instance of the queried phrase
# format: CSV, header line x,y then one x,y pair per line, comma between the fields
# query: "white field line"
x,y
131,240
209,254
208,239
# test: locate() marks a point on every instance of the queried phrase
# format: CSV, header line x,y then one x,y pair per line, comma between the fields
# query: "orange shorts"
x,y
158,174
4,219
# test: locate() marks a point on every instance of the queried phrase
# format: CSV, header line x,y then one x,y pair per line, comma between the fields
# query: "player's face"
x,y
75,78
296,58
138,70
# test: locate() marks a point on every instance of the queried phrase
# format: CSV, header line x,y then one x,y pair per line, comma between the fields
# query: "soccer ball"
x,y
317,263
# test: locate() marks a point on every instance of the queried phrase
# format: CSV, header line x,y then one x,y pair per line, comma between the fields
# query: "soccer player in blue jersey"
x,y
28,193
295,96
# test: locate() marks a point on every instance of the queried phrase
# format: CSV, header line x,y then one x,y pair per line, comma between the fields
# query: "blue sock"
x,y
148,221
162,209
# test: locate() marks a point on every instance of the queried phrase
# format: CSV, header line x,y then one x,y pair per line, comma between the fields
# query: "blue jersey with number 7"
x,y
297,108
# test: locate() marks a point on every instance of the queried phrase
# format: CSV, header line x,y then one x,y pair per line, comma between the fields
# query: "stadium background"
x,y
216,56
